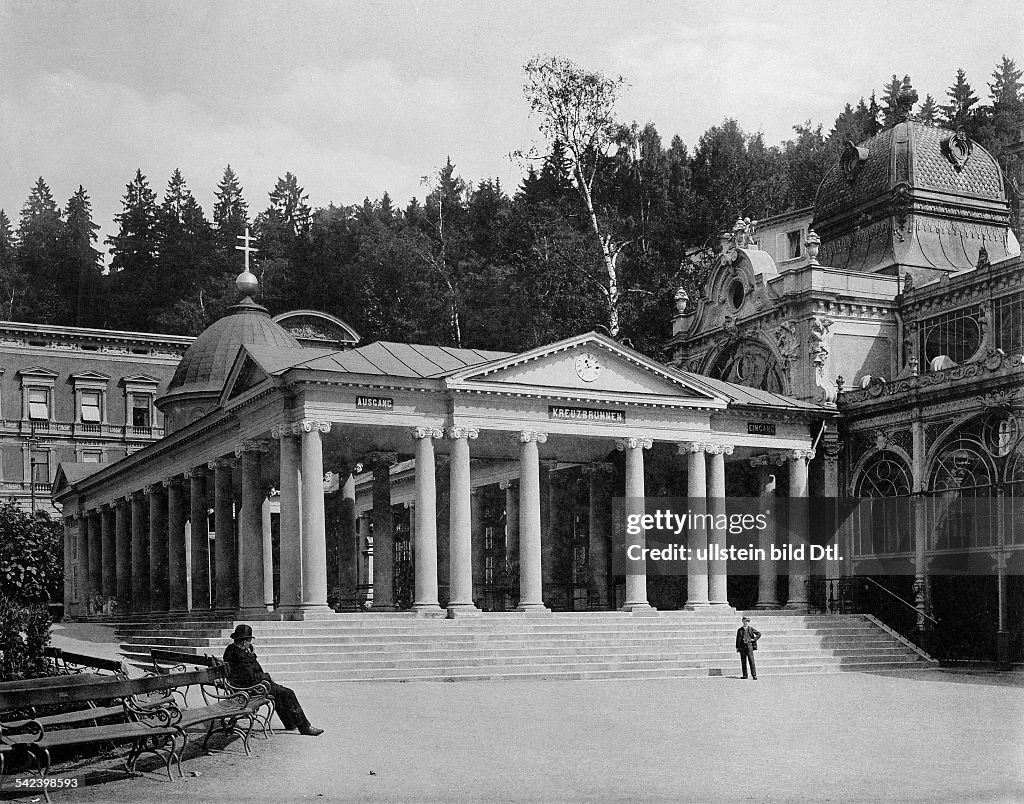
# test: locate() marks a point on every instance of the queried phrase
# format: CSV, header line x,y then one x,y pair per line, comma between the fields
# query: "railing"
x,y
897,598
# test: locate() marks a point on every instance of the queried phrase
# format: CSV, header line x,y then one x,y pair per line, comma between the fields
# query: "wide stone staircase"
x,y
585,645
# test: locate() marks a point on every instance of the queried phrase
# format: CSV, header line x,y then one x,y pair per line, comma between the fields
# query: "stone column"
x,y
140,553
95,554
767,572
636,583
70,555
718,570
84,581
599,578
267,535
158,589
348,546
226,586
177,570
200,535
696,537
122,554
251,592
425,527
314,523
460,523
830,490
530,571
383,531
476,503
799,570
108,569
290,532
511,552
919,513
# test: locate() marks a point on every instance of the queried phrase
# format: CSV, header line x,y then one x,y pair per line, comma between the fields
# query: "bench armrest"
x,y
214,693
158,714
32,729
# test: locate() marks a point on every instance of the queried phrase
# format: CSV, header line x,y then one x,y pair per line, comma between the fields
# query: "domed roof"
x,y
921,156
913,199
205,365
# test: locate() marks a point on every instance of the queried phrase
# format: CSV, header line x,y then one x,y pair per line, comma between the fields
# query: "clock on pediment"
x,y
588,367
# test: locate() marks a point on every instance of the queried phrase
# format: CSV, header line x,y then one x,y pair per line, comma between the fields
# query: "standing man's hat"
x,y
242,632
745,619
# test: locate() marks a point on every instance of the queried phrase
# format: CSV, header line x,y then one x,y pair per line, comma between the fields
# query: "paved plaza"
x,y
927,735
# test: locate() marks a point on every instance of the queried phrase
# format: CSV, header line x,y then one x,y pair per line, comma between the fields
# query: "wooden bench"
x,y
166,660
149,721
70,663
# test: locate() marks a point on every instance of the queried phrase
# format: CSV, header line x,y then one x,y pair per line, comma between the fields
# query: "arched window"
x,y
750,363
960,509
882,522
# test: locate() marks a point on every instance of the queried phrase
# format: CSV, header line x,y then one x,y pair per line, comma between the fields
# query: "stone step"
x,y
568,673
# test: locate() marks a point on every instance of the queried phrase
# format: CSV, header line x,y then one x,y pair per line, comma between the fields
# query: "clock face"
x,y
588,367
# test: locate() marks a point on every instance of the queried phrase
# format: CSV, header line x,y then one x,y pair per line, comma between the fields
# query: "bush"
x,y
24,632
31,555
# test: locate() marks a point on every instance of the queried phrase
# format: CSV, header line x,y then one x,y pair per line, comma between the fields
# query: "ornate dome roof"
x,y
916,154
913,198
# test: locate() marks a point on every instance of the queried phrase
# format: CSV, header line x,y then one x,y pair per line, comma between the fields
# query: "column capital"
x,y
133,495
280,431
382,458
801,454
121,501
309,425
259,447
637,442
174,480
426,432
525,436
197,471
505,485
687,447
226,462
458,431
719,449
152,488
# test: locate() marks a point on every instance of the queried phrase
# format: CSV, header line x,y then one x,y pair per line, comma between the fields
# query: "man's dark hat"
x,y
242,632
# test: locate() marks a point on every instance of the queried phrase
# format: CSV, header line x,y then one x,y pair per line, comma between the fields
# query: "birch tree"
x,y
576,108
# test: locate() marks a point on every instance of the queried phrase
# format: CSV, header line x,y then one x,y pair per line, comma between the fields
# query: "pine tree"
x,y
134,257
872,125
958,112
288,200
82,267
929,112
39,231
230,211
1005,89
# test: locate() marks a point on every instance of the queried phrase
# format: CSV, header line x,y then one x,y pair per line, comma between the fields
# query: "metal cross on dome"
x,y
246,239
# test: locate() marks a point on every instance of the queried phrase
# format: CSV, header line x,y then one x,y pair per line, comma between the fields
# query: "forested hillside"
x,y
471,263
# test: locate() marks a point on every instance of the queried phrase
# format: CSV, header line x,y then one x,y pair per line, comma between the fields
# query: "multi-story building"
x,y
70,394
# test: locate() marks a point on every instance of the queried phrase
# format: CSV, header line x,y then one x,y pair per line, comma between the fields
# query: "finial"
x,y
812,244
246,282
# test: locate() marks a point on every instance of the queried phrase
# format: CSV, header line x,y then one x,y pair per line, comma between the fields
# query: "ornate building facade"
x,y
905,315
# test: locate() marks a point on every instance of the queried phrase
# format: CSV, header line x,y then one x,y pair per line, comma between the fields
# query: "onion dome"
x,y
199,379
913,198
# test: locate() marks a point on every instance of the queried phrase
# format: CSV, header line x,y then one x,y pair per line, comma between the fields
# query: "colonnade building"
x,y
252,415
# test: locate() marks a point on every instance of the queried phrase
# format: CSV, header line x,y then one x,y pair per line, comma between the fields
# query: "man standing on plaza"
x,y
746,644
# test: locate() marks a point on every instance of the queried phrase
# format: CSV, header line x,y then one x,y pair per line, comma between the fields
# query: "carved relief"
x,y
957,148
852,161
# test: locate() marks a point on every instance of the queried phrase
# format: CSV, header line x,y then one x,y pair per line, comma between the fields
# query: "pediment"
x,y
90,376
592,365
37,371
245,375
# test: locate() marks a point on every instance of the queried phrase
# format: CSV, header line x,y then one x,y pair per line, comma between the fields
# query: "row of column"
x,y
134,549
706,580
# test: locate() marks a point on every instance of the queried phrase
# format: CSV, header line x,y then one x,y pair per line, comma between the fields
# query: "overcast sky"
x,y
357,98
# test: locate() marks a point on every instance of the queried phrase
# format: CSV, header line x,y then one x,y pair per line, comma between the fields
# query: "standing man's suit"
x,y
746,644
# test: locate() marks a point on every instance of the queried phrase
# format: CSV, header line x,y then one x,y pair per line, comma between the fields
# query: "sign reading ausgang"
x,y
375,402
760,428
586,414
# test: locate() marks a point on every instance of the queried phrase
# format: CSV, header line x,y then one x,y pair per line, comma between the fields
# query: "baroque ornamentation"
x,y
902,199
852,161
958,149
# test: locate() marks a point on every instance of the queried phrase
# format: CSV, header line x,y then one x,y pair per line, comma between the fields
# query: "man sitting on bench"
x,y
245,671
